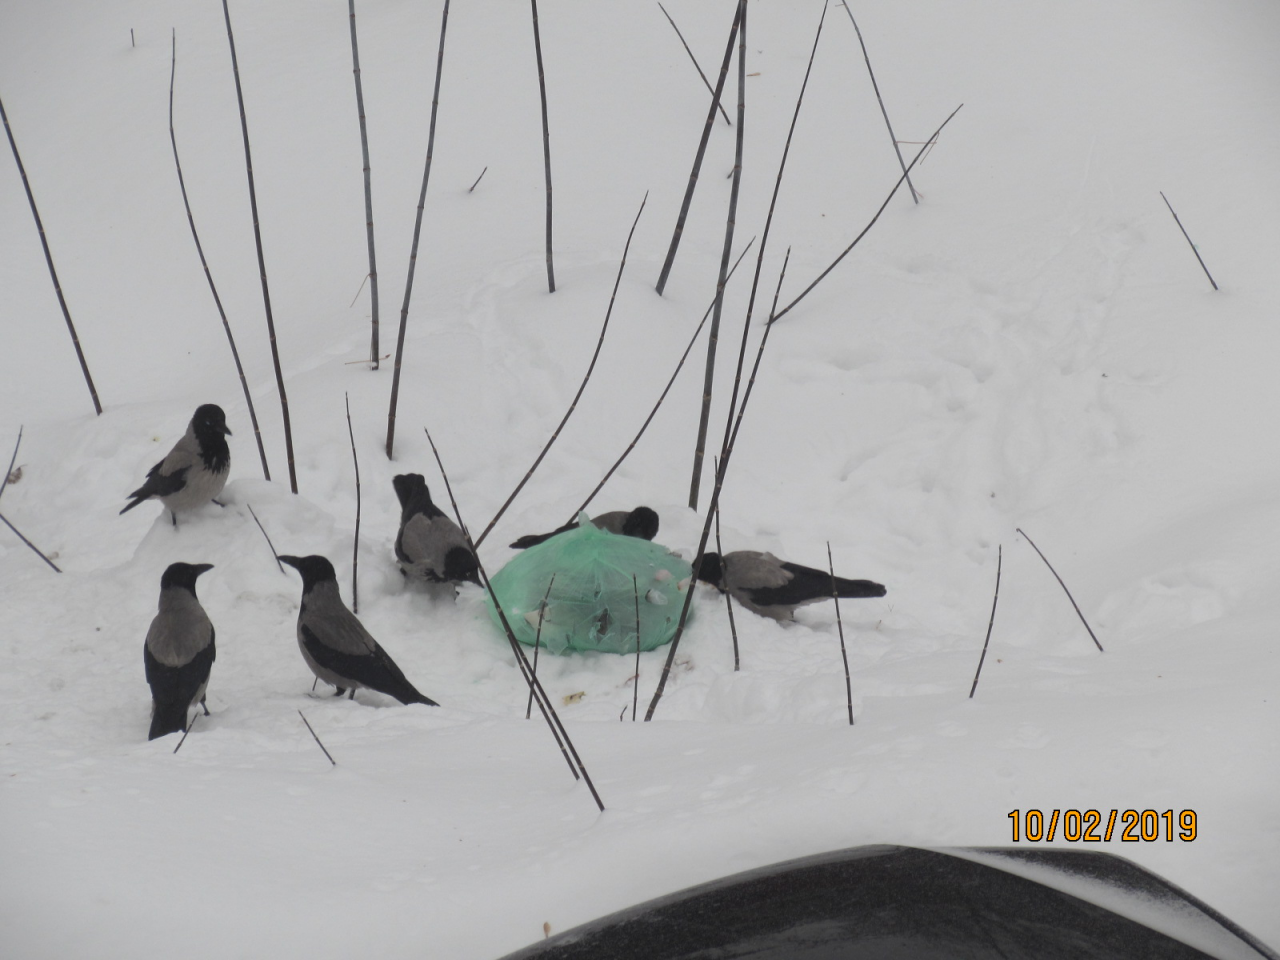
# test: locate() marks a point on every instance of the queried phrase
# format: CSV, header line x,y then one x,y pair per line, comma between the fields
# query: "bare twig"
x,y
635,690
368,188
217,300
844,654
665,390
37,550
185,732
540,695
4,481
317,738
713,337
546,142
537,644
48,259
262,266
1064,589
478,179
417,233
581,387
728,600
702,149
876,87
705,81
271,545
1185,234
781,313
355,546
990,623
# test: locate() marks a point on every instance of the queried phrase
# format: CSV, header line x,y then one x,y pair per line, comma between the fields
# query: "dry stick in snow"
x,y
728,600
544,702
546,142
1185,234
48,259
635,689
721,467
695,64
478,179
368,188
844,654
702,149
713,338
1064,589
317,738
781,313
990,623
355,545
262,265
217,300
572,406
667,389
417,232
270,545
37,550
876,87
4,481
537,644
185,732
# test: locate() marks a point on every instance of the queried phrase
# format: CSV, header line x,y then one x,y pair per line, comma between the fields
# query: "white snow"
x,y
1031,346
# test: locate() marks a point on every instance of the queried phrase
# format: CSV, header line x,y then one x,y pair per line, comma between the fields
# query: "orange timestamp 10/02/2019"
x,y
1092,826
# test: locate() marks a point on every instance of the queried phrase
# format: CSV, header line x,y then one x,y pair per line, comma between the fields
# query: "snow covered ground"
x,y
1031,346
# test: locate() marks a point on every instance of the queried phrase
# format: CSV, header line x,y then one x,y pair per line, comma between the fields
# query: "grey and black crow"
x,y
179,650
195,470
336,646
640,522
430,546
774,588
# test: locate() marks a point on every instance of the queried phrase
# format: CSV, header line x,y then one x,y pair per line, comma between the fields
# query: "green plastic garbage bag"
x,y
592,603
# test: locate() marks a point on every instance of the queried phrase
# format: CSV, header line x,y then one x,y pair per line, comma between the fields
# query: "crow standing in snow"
x,y
179,650
430,546
774,588
195,471
640,522
336,646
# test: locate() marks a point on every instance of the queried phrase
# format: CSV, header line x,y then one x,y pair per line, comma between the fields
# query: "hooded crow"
x,y
336,646
179,650
195,471
774,588
640,522
430,546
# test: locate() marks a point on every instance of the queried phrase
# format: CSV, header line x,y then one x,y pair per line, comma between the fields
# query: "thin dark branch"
x,y
876,87
665,390
990,623
317,738
544,702
271,545
478,179
731,221
728,600
635,689
1064,589
4,481
355,546
48,259
185,732
696,66
546,142
417,233
581,387
217,300
537,644
702,149
37,550
368,188
781,313
262,265
844,654
1185,234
